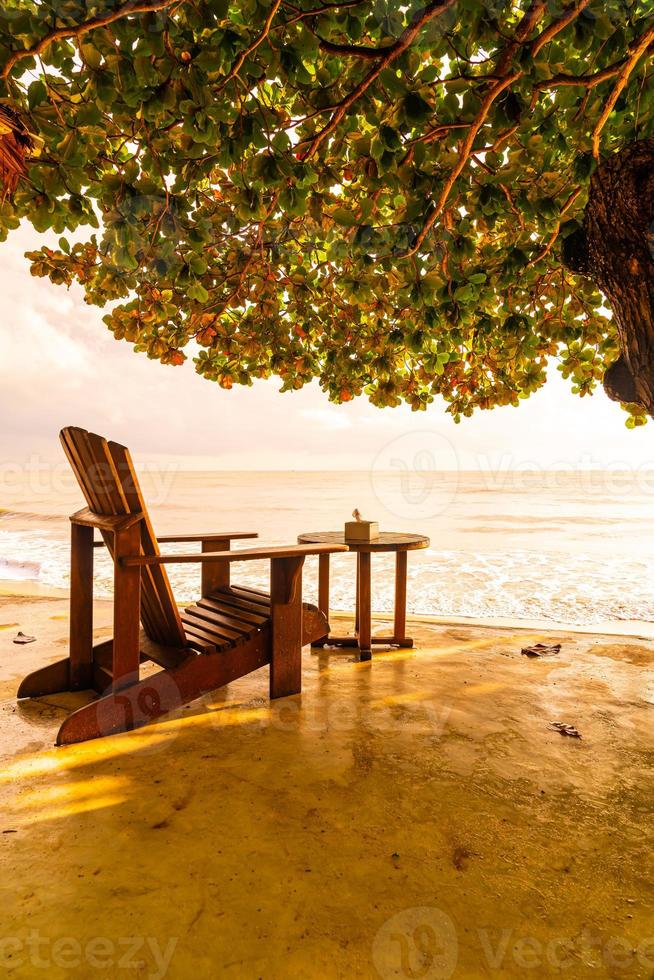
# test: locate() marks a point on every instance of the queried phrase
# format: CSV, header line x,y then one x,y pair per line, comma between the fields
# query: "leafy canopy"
x,y
368,193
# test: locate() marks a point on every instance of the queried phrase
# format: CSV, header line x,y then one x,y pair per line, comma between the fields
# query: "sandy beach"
x,y
425,790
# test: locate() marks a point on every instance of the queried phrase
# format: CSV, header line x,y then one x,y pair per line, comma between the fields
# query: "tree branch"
x,y
526,26
432,10
464,156
354,50
238,64
555,234
623,78
63,33
437,133
587,81
591,81
559,25
324,9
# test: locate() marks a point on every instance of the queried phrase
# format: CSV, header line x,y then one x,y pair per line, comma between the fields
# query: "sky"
x,y
59,365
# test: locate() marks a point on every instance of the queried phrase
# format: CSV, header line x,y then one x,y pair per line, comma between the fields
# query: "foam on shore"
x,y
639,629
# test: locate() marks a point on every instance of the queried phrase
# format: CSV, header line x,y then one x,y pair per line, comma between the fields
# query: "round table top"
x,y
387,541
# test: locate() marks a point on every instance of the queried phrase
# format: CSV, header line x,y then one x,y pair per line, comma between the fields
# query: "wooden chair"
x,y
229,632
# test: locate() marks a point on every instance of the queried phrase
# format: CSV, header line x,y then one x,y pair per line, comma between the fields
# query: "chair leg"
x,y
132,707
81,607
323,595
51,679
75,672
286,623
127,603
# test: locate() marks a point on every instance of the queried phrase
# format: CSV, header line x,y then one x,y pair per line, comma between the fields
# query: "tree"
x,y
400,200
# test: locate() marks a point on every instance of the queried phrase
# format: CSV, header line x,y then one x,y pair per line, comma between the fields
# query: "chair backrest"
x,y
107,478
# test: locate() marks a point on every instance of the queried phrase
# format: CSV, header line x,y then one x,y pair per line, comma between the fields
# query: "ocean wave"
x,y
560,587
27,515
16,571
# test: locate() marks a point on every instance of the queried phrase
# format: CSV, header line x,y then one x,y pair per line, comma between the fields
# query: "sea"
x,y
560,547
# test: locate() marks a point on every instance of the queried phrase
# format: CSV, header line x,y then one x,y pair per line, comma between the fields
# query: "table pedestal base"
x,y
363,638
403,643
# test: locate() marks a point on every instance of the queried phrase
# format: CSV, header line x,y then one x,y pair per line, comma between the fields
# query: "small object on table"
x,y
387,541
360,530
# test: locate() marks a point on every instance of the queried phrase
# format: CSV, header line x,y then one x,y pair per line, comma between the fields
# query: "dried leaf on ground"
x,y
565,729
542,650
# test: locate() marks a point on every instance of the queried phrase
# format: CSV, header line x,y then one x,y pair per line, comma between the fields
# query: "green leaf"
x,y
390,138
91,55
344,217
416,109
198,292
37,93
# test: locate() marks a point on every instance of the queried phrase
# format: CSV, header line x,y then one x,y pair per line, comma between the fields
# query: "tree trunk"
x,y
617,253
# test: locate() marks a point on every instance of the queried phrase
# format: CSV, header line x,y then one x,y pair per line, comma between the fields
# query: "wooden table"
x,y
400,544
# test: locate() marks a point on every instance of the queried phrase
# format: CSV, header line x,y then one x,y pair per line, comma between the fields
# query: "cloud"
x,y
326,418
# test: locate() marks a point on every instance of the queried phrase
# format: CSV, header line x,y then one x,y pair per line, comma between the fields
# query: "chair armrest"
x,y
187,538
104,522
246,554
